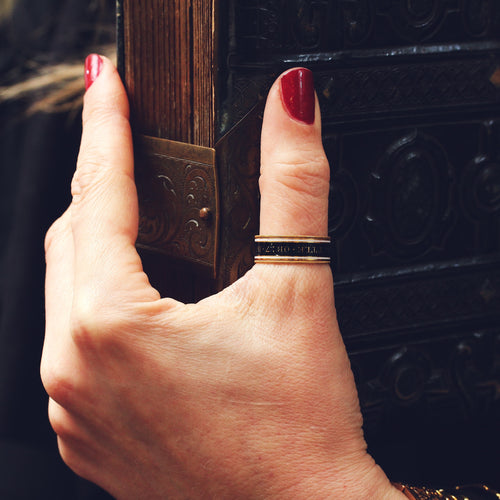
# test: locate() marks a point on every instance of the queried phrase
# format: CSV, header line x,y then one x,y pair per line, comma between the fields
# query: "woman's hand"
x,y
247,394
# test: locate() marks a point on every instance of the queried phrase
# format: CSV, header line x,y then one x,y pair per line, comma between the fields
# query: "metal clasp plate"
x,y
178,200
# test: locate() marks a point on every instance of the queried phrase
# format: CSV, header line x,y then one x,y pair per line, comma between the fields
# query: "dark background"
x,y
37,159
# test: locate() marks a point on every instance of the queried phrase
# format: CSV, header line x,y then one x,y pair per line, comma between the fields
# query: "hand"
x,y
247,394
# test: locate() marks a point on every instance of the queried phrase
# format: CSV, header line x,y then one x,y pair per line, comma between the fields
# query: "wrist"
x,y
362,479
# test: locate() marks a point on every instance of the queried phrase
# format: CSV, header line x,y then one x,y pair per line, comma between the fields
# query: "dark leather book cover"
x,y
410,99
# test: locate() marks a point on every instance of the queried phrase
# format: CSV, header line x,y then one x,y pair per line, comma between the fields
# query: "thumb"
x,y
295,174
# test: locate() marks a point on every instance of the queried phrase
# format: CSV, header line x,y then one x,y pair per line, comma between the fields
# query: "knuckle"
x,y
46,373
101,122
71,456
91,178
96,153
59,421
309,168
85,176
98,324
67,454
307,172
58,384
86,322
101,107
55,232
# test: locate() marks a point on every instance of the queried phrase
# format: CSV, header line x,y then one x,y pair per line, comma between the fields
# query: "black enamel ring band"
x,y
292,250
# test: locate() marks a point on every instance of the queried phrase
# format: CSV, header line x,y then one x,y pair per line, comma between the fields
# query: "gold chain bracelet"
x,y
476,492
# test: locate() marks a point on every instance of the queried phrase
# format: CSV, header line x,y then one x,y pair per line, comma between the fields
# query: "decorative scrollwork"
x,y
451,377
480,186
343,203
406,375
173,192
348,92
198,194
358,18
258,25
154,226
266,27
417,20
416,300
309,26
477,16
407,216
238,158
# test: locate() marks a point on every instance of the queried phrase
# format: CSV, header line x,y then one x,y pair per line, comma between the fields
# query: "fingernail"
x,y
93,66
297,93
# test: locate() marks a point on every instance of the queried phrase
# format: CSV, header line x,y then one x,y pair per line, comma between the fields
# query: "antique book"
x,y
410,99
203,211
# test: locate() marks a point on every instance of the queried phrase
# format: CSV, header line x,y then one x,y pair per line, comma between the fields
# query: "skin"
x,y
246,394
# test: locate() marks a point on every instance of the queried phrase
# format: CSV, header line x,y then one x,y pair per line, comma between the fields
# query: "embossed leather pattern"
x,y
411,126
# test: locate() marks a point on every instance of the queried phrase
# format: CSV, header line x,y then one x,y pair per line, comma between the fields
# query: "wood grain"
x,y
169,68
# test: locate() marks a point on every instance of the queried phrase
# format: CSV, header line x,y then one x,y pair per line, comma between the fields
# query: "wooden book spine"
x,y
167,58
169,67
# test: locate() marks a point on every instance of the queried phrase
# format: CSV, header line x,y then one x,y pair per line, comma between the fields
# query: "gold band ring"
x,y
292,249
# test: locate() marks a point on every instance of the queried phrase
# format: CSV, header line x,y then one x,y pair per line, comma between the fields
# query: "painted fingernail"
x,y
297,93
93,66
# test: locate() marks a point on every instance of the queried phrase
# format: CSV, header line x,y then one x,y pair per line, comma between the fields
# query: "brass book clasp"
x,y
178,200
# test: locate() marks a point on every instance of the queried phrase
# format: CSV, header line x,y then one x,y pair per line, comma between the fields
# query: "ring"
x,y
292,249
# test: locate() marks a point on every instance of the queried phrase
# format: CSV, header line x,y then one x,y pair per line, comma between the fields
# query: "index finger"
x,y
105,207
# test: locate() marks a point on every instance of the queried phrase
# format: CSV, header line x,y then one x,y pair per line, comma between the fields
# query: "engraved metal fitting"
x,y
178,200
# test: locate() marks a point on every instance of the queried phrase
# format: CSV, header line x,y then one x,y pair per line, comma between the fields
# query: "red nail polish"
x,y
297,93
93,66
